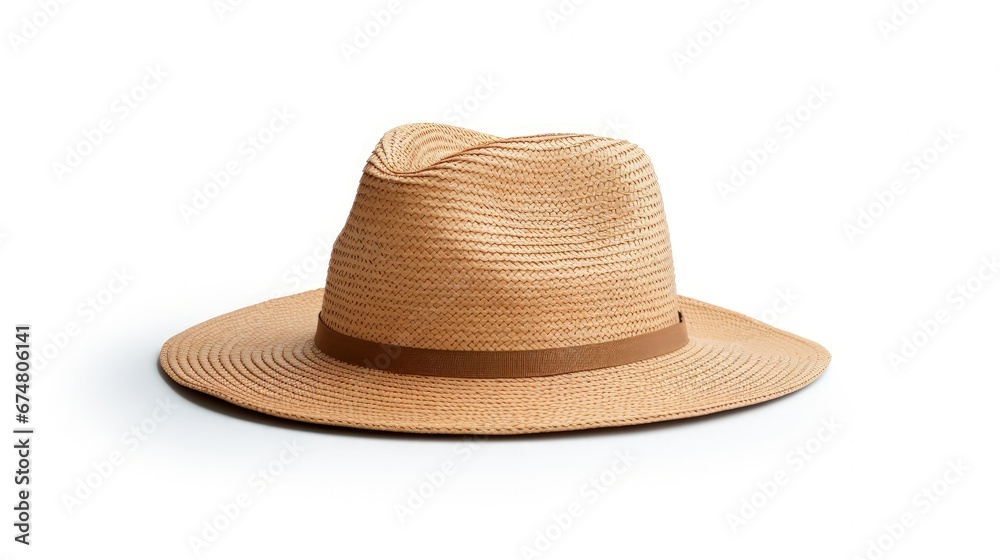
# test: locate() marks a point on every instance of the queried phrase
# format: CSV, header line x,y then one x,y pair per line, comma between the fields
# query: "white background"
x,y
608,68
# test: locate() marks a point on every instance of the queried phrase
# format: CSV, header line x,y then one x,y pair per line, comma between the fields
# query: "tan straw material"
x,y
514,251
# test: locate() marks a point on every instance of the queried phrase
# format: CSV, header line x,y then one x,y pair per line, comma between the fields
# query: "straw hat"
x,y
487,285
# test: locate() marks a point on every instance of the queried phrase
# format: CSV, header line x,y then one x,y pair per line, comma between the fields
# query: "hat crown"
x,y
459,240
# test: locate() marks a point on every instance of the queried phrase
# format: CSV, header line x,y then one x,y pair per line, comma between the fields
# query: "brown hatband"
x,y
499,364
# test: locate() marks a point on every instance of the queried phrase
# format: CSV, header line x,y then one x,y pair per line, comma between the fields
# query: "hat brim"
x,y
263,358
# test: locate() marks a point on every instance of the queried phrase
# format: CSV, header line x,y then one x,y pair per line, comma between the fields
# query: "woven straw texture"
x,y
459,240
503,244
